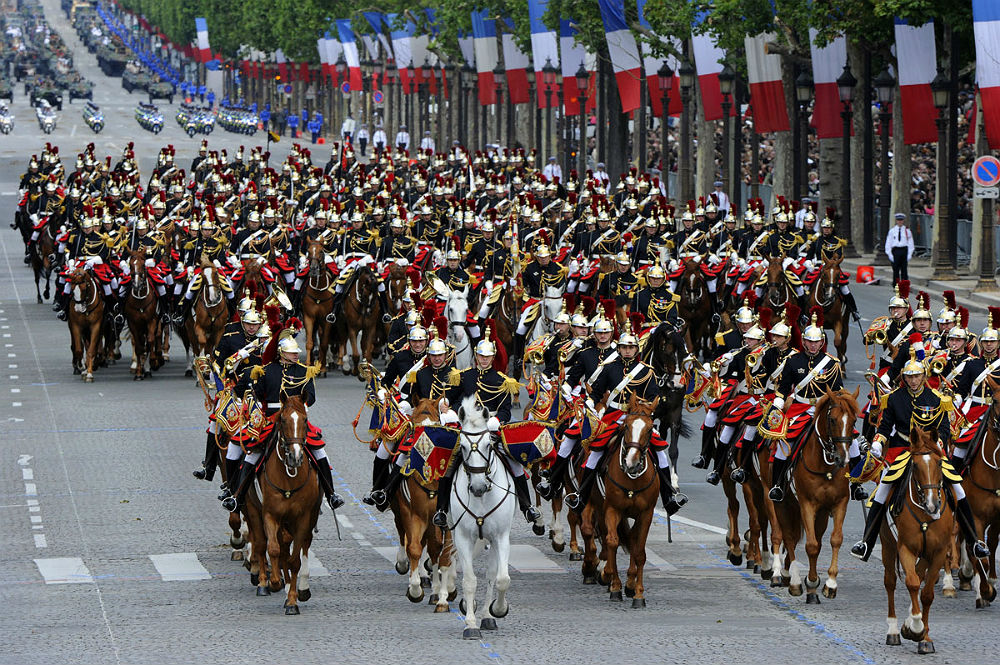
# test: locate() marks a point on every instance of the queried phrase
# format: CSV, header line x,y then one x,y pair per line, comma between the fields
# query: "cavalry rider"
x,y
554,343
91,248
358,247
913,405
646,250
286,377
619,284
655,301
493,390
973,394
140,239
617,382
689,240
328,239
540,274
900,325
399,244
828,246
807,376
919,339
782,244
253,242
745,318
452,274
209,245
434,379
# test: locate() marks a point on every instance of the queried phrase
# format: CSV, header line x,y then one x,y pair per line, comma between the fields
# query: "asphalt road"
x,y
113,553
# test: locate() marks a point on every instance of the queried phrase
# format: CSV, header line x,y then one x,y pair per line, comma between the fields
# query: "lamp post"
x,y
943,268
549,73
664,79
450,71
845,85
341,69
534,116
468,85
582,80
800,171
726,78
389,83
411,80
885,87
499,75
423,97
684,170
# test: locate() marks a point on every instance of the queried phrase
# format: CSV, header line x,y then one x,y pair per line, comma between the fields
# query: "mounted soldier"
x,y
973,395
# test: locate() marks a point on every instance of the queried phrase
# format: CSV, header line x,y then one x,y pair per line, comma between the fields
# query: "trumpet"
x,y
937,364
877,336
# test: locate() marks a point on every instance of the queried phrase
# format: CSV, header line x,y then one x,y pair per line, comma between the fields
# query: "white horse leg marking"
x,y
302,584
915,622
893,623
793,574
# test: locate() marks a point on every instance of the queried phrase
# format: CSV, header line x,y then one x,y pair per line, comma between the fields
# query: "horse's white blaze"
x,y
210,283
631,457
77,298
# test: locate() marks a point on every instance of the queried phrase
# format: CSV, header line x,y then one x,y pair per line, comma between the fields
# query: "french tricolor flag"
x,y
828,64
986,24
377,22
917,58
651,66
624,53
204,50
544,47
323,60
767,94
516,62
465,44
708,63
279,57
401,48
573,55
484,42
350,53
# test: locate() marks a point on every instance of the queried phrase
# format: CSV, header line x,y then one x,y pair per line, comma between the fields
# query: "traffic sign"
x,y
986,192
986,171
288,89
378,96
346,87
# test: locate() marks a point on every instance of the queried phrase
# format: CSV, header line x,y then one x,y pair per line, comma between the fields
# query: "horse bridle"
x,y
94,299
137,293
922,490
474,447
828,444
641,446
830,292
778,286
693,295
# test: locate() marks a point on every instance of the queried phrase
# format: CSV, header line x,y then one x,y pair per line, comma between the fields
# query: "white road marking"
x,y
30,489
27,474
529,559
694,523
40,540
64,570
15,404
179,566
316,568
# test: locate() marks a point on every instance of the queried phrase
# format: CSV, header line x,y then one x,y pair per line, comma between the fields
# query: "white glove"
x,y
493,424
243,353
234,261
512,281
876,448
449,417
302,262
150,263
382,394
787,262
713,259
341,262
809,264
190,271
578,342
727,357
779,402
574,266
590,403
404,408
567,391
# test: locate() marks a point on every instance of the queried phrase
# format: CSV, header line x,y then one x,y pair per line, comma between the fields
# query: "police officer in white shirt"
x,y
379,139
427,143
363,140
601,174
899,248
800,214
347,129
552,170
403,138
723,200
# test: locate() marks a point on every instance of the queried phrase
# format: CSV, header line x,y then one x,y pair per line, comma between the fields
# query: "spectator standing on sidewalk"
x,y
899,248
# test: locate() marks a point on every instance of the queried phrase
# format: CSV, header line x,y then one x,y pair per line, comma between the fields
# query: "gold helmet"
x,y
814,331
579,320
417,333
990,334
745,315
958,332
655,272
543,251
914,366
754,332
563,315
622,259
412,318
827,223
923,308
603,326
244,305
947,315
781,328
627,338
453,255
288,345
436,347
486,347
252,316
897,300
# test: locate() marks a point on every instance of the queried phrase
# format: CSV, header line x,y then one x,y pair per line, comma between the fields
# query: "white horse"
x,y
456,310
482,509
551,305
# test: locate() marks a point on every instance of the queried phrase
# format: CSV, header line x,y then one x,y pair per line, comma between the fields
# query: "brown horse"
x,y
290,498
821,491
695,308
143,322
210,312
86,318
362,315
825,293
632,489
43,258
397,284
317,304
924,525
412,507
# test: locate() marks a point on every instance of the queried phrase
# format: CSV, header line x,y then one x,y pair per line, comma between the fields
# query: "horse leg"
x,y
93,343
814,521
611,542
913,625
889,555
926,644
302,581
753,532
414,551
273,551
556,533
589,567
733,514
836,540
465,547
324,344
310,325
501,574
573,520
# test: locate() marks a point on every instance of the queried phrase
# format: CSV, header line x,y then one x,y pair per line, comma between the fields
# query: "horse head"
x,y
477,448
456,310
926,477
316,258
835,428
829,280
366,290
397,285
637,431
426,412
292,432
693,289
776,291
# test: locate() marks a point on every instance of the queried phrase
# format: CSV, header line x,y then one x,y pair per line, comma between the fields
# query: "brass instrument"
x,y
938,363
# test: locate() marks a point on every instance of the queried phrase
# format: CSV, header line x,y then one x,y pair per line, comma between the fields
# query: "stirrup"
x,y
858,492
377,498
546,489
335,501
738,475
676,502
331,318
713,478
776,494
573,500
440,520
979,550
230,504
860,550
699,462
532,514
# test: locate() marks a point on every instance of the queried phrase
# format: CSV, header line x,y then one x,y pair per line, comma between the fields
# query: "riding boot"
x,y
518,349
380,467
440,518
578,500
873,523
383,496
851,305
707,446
232,503
326,484
967,523
778,468
232,476
185,311
804,309
557,474
739,474
334,306
383,301
721,455
958,463
524,499
672,499
62,305
211,461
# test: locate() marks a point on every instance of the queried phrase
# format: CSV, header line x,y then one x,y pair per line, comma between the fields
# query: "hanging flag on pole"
x,y
516,64
917,57
484,38
767,94
401,47
279,57
651,66
828,64
573,55
378,24
204,50
467,46
986,24
544,47
708,62
624,53
351,55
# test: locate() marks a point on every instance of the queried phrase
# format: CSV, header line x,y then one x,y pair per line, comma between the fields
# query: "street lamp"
x,y
449,71
499,75
845,86
549,73
582,81
664,79
687,74
885,86
940,90
803,95
726,78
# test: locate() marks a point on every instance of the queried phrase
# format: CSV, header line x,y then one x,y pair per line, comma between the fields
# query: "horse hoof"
x,y
76,372
291,610
246,564
254,579
785,580
188,373
812,598
275,587
558,548
795,590
629,593
589,579
236,556
964,585
441,609
488,623
750,564
925,646
575,556
982,603
88,379
402,567
433,599
147,374
414,599
736,559
605,580
949,593
538,529
638,603
829,592
909,634
305,595
616,596
453,595
471,634
263,591
425,582
496,614
775,581
237,542
462,606
992,594
893,640
756,569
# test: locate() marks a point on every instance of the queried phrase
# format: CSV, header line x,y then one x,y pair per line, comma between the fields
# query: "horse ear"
x,y
461,413
656,402
857,391
829,393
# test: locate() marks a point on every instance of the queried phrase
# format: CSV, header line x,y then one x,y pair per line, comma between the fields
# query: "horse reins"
x,y
474,447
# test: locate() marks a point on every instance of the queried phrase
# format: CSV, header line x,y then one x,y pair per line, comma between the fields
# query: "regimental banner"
x,y
434,447
529,441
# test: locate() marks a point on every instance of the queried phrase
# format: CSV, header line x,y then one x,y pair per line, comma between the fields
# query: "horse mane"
x,y
426,408
472,419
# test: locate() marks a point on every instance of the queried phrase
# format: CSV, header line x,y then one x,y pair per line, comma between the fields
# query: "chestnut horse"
x,y
695,308
143,321
362,314
821,491
924,525
317,303
777,291
825,293
86,318
43,258
290,499
632,489
210,312
412,507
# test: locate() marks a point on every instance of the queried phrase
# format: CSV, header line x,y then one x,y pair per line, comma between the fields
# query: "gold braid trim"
x,y
511,385
454,377
257,372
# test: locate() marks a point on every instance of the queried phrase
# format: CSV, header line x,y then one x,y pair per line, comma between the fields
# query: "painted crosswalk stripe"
x,y
529,559
64,570
316,567
179,566
652,559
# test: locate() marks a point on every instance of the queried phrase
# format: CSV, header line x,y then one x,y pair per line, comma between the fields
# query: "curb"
x,y
963,287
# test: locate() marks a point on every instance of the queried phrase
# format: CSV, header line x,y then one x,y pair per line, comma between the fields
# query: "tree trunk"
x,y
783,167
862,109
617,148
705,140
902,168
830,161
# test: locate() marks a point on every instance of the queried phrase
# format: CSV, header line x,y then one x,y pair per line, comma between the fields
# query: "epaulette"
x,y
411,377
511,385
312,371
947,405
883,401
720,337
189,245
257,372
675,297
454,377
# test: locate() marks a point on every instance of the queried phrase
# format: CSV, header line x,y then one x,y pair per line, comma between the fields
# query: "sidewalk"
x,y
920,273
